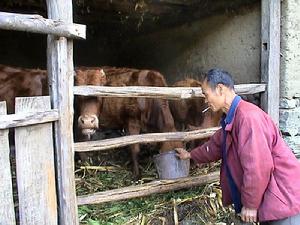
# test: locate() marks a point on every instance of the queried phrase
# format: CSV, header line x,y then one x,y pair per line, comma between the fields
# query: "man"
x,y
259,174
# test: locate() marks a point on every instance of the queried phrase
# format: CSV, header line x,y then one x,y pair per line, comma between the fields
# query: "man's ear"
x,y
220,89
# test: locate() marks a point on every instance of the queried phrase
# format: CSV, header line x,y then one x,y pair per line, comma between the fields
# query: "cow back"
x,y
19,82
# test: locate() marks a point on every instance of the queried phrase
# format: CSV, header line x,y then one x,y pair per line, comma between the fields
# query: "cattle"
x,y
87,109
134,115
20,82
187,112
24,82
190,114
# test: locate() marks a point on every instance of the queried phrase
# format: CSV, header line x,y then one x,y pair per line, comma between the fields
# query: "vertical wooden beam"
x,y
7,213
60,71
270,56
35,166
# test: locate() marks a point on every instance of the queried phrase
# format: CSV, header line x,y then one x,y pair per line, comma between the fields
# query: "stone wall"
x,y
226,40
290,74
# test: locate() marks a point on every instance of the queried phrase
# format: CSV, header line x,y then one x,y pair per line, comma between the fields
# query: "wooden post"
x,y
7,213
270,56
60,72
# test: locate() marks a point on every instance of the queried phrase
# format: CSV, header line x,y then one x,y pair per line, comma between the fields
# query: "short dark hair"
x,y
218,76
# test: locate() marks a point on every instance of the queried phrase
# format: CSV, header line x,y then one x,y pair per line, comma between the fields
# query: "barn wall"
x,y
290,73
230,41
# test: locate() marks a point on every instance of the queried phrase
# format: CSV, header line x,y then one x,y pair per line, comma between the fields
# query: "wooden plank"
x,y
143,138
61,79
38,24
270,56
7,213
28,118
158,92
159,186
35,167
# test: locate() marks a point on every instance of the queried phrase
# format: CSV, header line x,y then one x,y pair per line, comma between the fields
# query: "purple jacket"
x,y
263,167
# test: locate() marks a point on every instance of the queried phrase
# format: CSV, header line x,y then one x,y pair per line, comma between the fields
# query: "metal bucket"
x,y
169,166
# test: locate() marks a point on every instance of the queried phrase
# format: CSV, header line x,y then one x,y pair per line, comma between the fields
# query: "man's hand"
x,y
182,153
249,215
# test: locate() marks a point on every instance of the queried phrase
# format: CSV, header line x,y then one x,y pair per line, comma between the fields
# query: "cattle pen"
x,y
46,183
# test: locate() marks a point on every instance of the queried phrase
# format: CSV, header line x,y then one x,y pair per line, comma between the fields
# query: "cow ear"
x,y
141,103
102,73
79,78
100,101
102,77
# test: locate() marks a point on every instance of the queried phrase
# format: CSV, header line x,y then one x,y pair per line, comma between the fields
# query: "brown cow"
x,y
187,112
23,82
20,82
87,108
134,115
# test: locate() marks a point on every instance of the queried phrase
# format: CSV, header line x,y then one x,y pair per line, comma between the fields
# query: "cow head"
x,y
88,108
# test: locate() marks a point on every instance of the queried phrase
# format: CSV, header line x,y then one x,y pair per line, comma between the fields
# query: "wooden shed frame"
x,y
60,29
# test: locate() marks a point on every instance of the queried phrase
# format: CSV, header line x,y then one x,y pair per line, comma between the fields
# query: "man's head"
x,y
218,89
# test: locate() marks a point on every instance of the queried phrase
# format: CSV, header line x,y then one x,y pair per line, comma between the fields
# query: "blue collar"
x,y
227,119
234,191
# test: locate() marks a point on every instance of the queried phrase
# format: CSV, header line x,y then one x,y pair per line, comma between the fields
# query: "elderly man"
x,y
260,175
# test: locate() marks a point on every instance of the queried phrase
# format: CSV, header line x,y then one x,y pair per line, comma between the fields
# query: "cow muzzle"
x,y
88,124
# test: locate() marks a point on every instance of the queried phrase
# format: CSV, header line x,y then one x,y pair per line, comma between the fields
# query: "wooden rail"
x,y
158,92
38,24
159,186
28,118
143,138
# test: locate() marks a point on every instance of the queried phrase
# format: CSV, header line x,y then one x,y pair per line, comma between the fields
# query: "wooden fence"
x,y
55,205
149,92
34,163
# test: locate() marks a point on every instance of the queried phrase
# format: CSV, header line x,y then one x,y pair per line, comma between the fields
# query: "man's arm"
x,y
208,152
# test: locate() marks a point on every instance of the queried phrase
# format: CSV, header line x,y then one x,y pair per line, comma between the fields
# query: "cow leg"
x,y
135,128
167,125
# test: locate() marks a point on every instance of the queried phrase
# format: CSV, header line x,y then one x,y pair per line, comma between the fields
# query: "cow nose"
x,y
81,120
88,121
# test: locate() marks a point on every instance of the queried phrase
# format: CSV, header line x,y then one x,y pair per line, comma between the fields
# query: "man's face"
x,y
213,98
